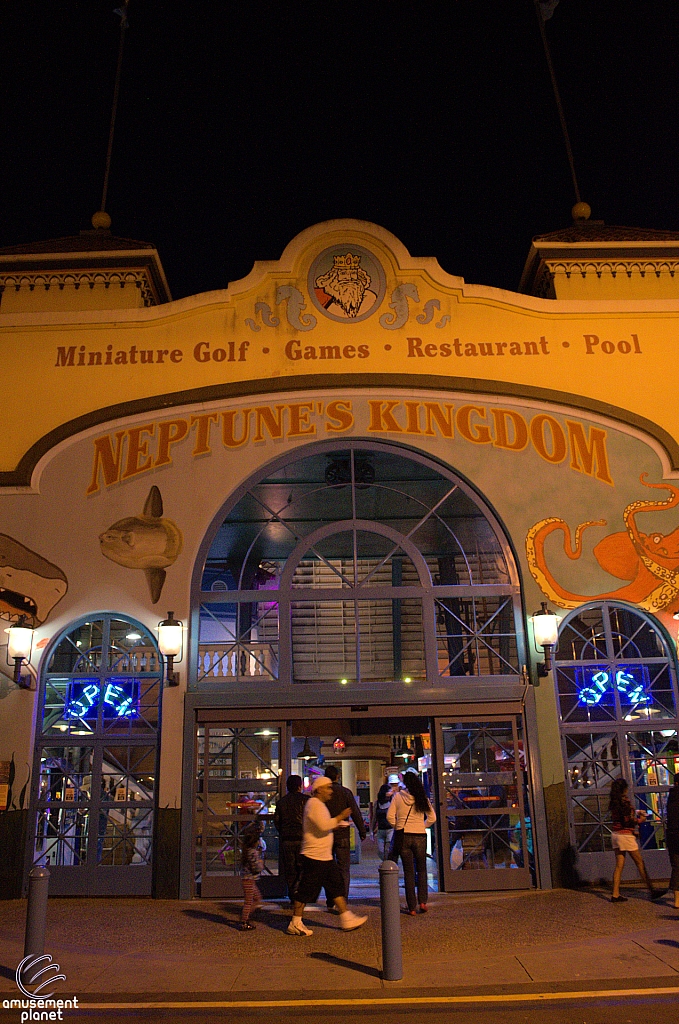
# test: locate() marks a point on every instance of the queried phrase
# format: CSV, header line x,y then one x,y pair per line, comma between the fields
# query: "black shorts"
x,y
317,875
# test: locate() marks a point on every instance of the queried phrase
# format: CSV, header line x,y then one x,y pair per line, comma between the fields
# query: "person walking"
x,y
379,826
252,865
288,821
625,828
341,799
410,814
319,869
672,837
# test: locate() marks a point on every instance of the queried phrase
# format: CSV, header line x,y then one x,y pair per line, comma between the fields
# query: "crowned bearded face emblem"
x,y
344,290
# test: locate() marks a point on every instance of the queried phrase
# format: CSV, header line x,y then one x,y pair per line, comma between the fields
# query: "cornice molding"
x,y
613,267
78,279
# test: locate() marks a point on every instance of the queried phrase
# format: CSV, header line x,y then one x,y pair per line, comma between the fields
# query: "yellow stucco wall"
x,y
427,325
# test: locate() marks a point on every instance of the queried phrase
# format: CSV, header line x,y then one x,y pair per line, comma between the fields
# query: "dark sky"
x,y
241,123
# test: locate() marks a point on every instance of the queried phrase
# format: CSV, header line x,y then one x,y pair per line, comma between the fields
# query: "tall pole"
x,y
122,12
557,97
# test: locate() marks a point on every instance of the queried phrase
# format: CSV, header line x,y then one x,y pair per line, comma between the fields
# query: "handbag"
x,y
397,839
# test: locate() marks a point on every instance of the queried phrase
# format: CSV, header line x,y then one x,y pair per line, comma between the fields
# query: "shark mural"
x,y
29,584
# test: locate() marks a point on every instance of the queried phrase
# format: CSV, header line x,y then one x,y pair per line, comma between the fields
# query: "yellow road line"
x,y
514,997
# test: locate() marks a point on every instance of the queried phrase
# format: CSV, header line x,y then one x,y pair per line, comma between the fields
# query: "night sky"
x,y
242,123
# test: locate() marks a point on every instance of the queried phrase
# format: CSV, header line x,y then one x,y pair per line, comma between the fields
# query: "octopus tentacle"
x,y
629,515
535,540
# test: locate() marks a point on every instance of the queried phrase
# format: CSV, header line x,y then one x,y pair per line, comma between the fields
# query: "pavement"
x,y
136,950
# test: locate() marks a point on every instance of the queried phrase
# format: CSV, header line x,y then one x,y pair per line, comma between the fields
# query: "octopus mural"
x,y
648,561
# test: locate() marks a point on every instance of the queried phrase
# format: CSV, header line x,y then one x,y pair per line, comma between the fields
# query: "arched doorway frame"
x,y
474,699
596,750
359,592
93,873
362,444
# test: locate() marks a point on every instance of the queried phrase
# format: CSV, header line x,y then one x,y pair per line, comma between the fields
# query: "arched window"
x,y
617,694
96,761
353,566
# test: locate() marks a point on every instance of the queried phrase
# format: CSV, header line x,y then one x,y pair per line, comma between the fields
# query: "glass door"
x,y
484,808
96,760
238,770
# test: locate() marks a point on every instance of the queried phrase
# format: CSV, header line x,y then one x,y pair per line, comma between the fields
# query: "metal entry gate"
x,y
484,814
95,770
238,768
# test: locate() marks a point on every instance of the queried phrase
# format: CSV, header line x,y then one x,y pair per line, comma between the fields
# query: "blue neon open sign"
x,y
596,681
119,698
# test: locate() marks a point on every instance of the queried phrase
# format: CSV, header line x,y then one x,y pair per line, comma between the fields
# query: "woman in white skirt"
x,y
625,827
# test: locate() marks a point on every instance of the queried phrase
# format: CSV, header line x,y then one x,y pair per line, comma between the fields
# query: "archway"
x,y
362,579
619,714
95,770
366,537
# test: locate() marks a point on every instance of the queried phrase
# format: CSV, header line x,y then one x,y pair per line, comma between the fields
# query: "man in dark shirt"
x,y
342,798
288,818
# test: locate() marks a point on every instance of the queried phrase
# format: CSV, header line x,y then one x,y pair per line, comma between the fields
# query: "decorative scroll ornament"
x,y
263,309
295,306
427,314
399,305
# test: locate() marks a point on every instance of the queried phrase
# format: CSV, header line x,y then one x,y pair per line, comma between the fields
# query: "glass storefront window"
x,y
476,637
614,672
379,567
486,790
237,779
96,765
239,642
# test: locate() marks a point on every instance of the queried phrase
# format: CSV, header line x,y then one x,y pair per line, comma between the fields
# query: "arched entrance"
x,y
96,759
367,590
619,714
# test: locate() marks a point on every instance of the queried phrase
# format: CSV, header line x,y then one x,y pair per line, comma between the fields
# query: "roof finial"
x,y
101,220
581,211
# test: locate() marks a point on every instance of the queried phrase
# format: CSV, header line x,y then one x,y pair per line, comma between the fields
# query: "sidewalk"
x,y
120,950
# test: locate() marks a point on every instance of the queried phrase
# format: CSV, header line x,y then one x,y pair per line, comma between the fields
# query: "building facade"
x,y
354,479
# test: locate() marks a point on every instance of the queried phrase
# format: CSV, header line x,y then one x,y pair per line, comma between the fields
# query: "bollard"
x,y
390,907
36,911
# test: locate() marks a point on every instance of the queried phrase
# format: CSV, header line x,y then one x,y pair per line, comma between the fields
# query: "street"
x,y
634,1009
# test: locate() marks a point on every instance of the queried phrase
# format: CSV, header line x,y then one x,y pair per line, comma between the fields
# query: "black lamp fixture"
x,y
545,636
19,647
404,750
170,639
306,753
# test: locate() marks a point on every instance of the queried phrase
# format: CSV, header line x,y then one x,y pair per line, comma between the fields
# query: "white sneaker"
x,y
350,921
299,929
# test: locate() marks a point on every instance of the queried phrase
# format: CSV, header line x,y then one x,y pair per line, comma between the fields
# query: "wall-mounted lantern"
x,y
170,641
19,647
546,637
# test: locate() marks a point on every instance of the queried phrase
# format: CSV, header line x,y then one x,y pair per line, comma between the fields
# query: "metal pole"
x,y
390,907
36,912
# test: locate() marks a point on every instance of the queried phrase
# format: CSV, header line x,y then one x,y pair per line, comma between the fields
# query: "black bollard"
x,y
36,911
390,907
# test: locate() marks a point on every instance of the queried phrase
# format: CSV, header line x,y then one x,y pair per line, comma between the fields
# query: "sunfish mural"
x,y
29,584
649,561
146,542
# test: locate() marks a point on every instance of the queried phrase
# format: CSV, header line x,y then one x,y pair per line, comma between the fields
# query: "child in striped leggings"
x,y
252,866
